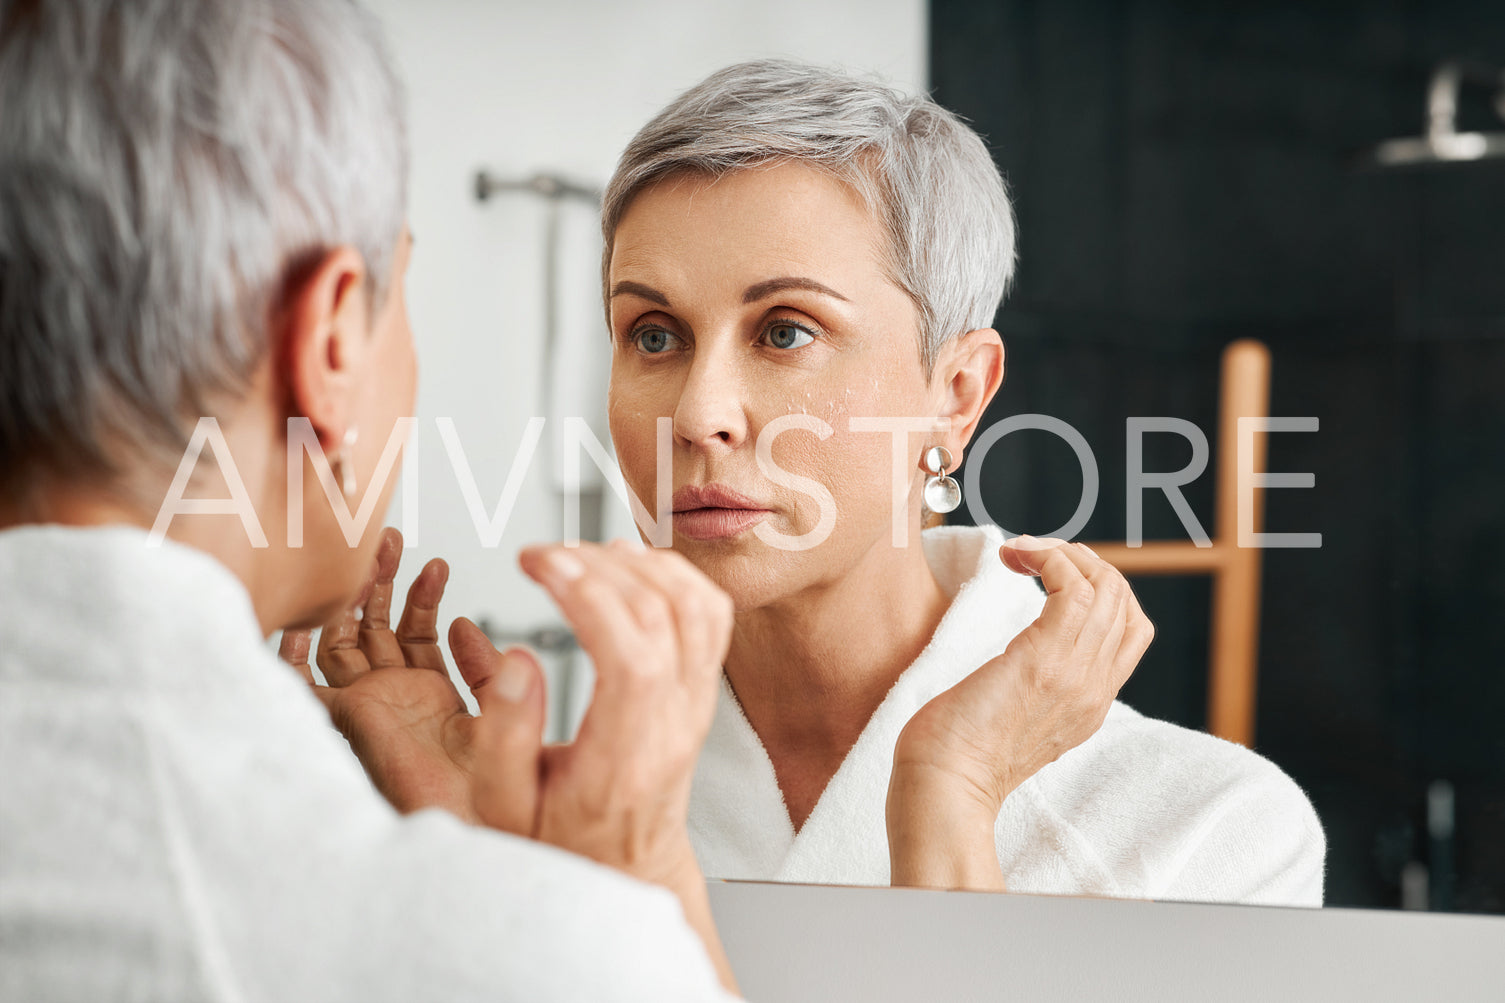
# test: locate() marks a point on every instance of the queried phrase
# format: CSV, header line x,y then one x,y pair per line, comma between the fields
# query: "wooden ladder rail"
x,y
1233,654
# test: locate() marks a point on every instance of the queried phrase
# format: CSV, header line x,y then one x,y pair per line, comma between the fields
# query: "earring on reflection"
x,y
942,494
345,462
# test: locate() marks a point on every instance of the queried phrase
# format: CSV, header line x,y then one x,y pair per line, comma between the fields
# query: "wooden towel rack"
x,y
1234,650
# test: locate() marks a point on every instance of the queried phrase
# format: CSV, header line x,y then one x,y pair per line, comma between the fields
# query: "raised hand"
x,y
391,697
964,752
657,630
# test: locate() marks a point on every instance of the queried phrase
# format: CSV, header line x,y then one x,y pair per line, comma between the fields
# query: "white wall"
x,y
524,87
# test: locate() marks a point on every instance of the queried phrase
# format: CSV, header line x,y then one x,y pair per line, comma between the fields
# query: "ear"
x,y
966,377
323,335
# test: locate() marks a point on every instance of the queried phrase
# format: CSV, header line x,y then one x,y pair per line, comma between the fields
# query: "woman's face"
x,y
735,303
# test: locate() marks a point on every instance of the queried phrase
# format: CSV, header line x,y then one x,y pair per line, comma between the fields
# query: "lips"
x,y
714,512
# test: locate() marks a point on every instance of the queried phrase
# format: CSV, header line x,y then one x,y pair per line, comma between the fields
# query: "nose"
x,y
710,412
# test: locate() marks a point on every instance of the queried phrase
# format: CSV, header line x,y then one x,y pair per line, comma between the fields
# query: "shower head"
x,y
1422,151
1442,143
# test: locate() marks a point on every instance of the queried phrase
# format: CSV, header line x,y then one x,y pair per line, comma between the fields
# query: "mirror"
x,y
1182,178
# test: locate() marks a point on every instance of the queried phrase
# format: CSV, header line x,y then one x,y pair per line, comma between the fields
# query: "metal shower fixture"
x,y
549,186
1443,143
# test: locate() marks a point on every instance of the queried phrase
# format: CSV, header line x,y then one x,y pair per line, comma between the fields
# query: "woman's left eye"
x,y
786,335
652,340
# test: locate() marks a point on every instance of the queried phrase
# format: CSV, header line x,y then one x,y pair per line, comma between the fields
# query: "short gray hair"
x,y
166,169
923,171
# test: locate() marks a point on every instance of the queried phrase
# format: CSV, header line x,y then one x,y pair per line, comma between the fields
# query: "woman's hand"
x,y
970,747
391,697
657,631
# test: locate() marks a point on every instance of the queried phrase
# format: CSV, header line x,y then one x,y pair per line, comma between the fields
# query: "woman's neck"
x,y
810,670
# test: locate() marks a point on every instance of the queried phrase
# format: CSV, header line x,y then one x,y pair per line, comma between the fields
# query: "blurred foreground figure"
x,y
202,247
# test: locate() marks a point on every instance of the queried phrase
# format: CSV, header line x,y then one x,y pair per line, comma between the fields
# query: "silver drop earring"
x,y
347,464
942,494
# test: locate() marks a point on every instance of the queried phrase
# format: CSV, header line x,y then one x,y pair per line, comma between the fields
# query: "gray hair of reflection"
x,y
927,176
166,167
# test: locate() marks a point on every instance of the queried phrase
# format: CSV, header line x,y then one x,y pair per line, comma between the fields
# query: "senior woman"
x,y
800,270
203,243
784,240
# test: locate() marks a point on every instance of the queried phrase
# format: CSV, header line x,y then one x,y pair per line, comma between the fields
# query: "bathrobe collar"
x,y
738,820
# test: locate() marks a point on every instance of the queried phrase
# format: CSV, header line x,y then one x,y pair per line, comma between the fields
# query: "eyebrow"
x,y
763,290
638,289
752,294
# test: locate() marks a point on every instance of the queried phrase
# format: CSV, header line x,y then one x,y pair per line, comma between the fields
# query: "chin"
x,y
752,573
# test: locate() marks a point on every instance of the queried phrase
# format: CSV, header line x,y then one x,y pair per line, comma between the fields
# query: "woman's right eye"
x,y
653,340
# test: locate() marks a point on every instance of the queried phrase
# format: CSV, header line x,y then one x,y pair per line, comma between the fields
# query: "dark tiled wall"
x,y
1183,177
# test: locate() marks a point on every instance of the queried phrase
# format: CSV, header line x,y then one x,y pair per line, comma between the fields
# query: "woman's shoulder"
x,y
1162,811
1131,750
1177,813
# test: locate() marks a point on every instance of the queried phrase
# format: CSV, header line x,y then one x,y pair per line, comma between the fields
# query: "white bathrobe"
x,y
1143,809
178,821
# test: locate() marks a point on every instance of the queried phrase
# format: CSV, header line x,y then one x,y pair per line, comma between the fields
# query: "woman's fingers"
x,y
1138,633
1053,685
628,629
648,620
1095,611
1123,634
1105,671
475,656
294,648
702,612
1097,592
1103,626
1068,593
375,636
339,654
604,604
418,630
507,739
651,606
618,792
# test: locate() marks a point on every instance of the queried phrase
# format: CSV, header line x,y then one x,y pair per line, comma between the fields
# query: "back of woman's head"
x,y
927,177
165,169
